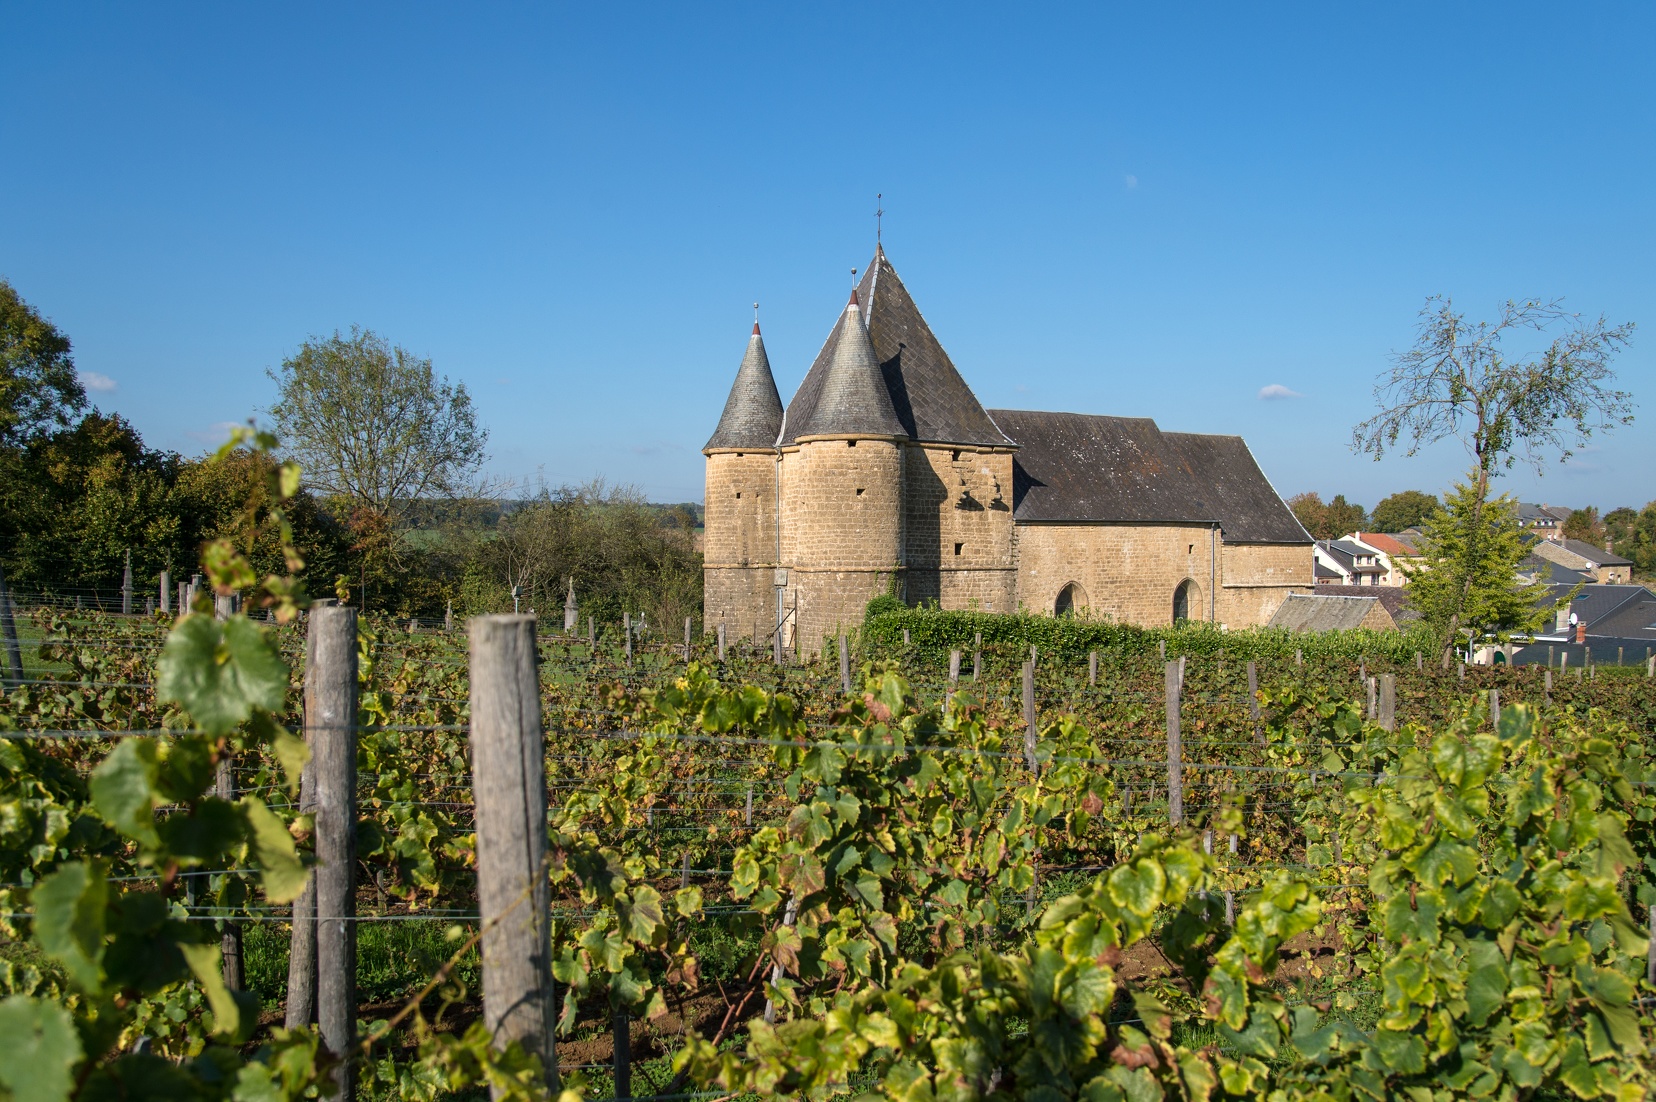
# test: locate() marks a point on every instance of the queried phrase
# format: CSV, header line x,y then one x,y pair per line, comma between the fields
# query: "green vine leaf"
x,y
283,872
71,918
42,1050
124,789
219,671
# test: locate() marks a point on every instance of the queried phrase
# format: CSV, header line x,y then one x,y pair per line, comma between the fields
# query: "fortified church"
x,y
885,474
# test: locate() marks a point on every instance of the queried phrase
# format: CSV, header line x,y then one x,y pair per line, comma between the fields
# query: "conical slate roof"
x,y
753,412
930,399
853,400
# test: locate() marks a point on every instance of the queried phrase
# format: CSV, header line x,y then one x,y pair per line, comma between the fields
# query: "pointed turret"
x,y
753,413
854,400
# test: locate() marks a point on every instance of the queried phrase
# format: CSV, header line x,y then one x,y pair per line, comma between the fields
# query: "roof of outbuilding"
x,y
1322,612
1594,554
1393,598
1083,468
928,397
753,413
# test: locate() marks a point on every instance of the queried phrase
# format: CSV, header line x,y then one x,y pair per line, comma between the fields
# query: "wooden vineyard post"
x,y
1546,687
1092,667
224,787
845,664
626,632
1029,714
977,654
687,640
592,637
514,894
1388,701
126,586
301,989
166,591
905,637
790,915
8,627
1460,670
721,641
1253,701
1175,764
1299,656
332,727
954,676
1373,704
1420,661
622,1032
747,814
1495,707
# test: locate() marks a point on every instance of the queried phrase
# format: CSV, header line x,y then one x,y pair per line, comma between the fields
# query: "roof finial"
x,y
853,301
879,212
756,319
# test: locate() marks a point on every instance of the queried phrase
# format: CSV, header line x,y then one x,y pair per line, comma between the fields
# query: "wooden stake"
x,y
126,586
509,791
332,727
1029,714
8,627
687,640
1175,766
166,592
1253,701
845,664
1388,701
1092,667
721,641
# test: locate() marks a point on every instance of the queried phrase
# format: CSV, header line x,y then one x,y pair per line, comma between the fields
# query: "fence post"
x,y
622,1032
184,596
747,815
1029,714
954,675
592,636
1373,704
1253,700
1299,656
509,789
845,664
1420,661
1092,667
1161,648
1494,707
687,640
1460,670
1175,765
905,637
8,625
126,585
166,591
626,631
301,989
721,641
448,616
230,939
1388,701
333,651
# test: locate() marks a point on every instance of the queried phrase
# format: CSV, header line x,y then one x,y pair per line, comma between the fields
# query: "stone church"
x,y
885,474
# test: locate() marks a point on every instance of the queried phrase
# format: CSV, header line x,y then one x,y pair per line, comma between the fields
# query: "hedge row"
x,y
933,633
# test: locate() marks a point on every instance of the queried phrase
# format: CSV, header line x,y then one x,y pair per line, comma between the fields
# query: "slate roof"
x,y
1596,604
1634,620
753,413
1322,612
1594,554
1393,598
851,396
1545,570
928,397
1081,468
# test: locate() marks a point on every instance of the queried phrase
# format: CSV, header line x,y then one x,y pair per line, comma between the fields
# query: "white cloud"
x,y
1132,181
93,380
215,434
1276,391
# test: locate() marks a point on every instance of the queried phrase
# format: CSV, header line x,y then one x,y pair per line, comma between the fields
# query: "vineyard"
x,y
1197,869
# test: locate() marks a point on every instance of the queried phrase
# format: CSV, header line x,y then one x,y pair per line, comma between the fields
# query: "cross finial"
x,y
879,212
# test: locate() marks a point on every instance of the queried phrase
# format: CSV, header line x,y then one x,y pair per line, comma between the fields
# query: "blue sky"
x,y
1153,210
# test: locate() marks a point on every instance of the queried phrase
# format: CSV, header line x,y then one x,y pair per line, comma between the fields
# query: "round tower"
x,y
842,490
740,545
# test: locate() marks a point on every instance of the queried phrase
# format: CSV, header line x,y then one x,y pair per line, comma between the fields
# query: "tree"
x,y
1457,381
1618,526
1467,575
38,387
1327,521
1635,538
1404,509
1584,525
374,425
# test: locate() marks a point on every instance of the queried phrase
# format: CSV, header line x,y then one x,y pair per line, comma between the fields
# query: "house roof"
x,y
1386,545
753,413
929,400
1322,612
1394,599
1082,468
1635,619
1318,570
1598,604
1594,554
1545,570
1350,548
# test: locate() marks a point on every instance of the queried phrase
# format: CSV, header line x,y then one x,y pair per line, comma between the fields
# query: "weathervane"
x,y
879,211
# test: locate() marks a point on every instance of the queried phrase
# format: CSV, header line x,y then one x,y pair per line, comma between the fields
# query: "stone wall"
x,y
1127,573
841,531
957,527
1255,578
739,542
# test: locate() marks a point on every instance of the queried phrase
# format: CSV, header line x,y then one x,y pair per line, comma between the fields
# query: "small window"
x,y
859,491
738,495
956,455
1191,550
958,548
851,444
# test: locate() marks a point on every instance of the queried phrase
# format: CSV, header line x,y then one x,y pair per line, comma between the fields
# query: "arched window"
x,y
1071,599
1181,601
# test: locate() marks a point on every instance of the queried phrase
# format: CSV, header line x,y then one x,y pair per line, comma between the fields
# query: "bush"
x,y
884,603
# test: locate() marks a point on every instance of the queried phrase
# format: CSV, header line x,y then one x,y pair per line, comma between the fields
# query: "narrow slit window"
x,y
959,547
859,491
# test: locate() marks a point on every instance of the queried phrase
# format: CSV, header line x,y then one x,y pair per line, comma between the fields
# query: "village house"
x,y
884,474
1346,562
1596,563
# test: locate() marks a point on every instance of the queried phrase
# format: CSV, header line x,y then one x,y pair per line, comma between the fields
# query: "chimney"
x,y
1581,631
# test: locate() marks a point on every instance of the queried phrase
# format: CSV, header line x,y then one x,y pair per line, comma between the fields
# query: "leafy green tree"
x,y
1633,536
1467,574
1584,525
38,387
1404,509
1457,381
1330,520
73,502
